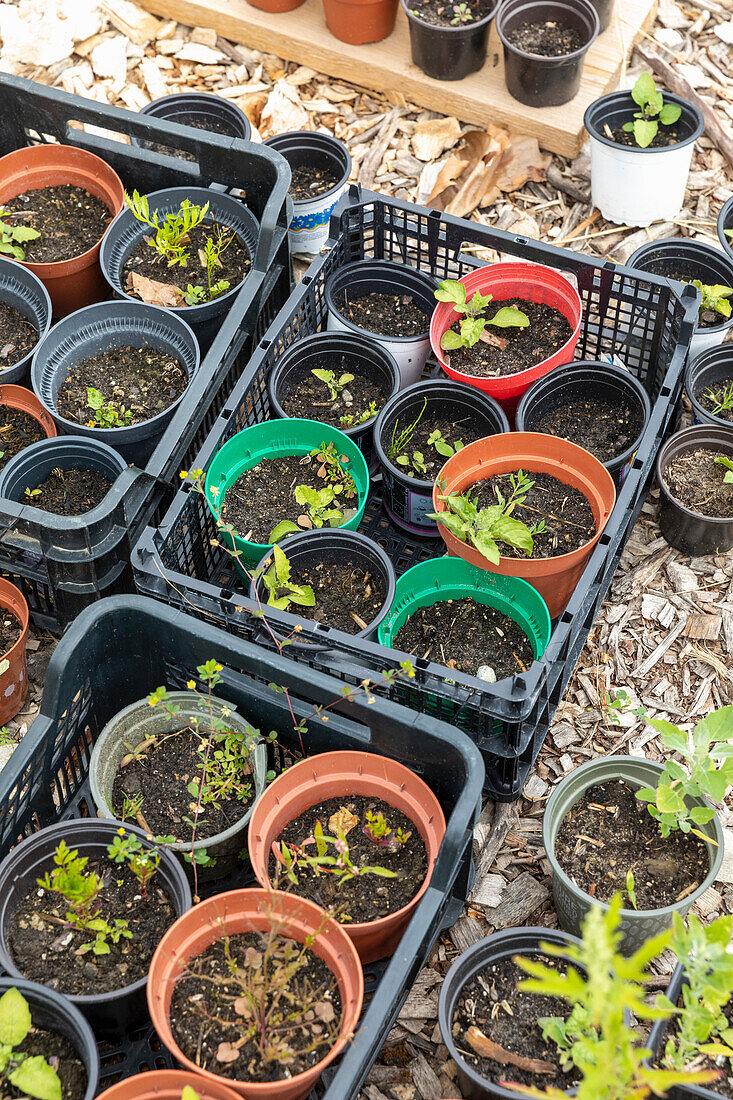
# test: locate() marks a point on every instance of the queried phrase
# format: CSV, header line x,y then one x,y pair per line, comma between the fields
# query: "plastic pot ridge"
x,y
24,291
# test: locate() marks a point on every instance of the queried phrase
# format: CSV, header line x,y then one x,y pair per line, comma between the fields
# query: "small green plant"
x,y
474,323
630,888
13,237
484,528
281,592
142,862
350,419
31,494
722,399
442,446
318,511
714,298
106,413
335,385
31,1075
172,234
415,463
652,111
401,439
210,258
461,14
382,834
294,857
333,468
723,460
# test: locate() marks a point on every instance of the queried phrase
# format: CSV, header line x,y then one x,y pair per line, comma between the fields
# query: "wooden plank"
x,y
302,36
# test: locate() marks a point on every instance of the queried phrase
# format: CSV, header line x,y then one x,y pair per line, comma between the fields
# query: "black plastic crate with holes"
x,y
63,563
643,321
124,647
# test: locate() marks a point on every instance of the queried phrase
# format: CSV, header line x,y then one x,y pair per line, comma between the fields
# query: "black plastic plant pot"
x,y
331,546
497,948
601,381
658,1034
202,111
725,222
126,232
706,372
22,290
688,531
311,217
446,52
96,329
31,466
408,500
110,1014
604,11
52,1012
545,81
341,352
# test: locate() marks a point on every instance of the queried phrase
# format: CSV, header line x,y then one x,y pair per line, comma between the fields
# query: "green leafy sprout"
x,y
484,528
335,385
461,14
722,399
210,258
281,592
714,298
171,235
652,111
31,1075
474,323
13,237
106,413
292,858
142,862
723,460
350,419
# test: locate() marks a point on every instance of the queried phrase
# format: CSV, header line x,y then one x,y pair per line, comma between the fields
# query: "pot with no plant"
x,y
83,905
255,1047
645,829
320,167
202,111
358,22
183,248
14,618
184,765
709,387
545,43
695,474
641,145
25,318
168,1084
116,372
387,302
65,476
359,831
448,41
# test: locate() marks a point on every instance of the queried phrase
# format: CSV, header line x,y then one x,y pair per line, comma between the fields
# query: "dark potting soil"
x,y
69,219
609,831
161,777
513,349
564,510
310,397
550,38
466,635
724,1084
491,1007
10,630
465,430
18,430
145,380
213,1027
210,125
604,428
144,261
265,495
442,13
45,949
665,135
71,492
61,1054
706,394
18,336
385,314
348,597
308,182
696,480
366,897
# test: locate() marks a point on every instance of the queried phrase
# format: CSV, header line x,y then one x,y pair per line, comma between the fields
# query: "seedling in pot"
x,y
382,834
106,413
473,325
350,420
281,592
652,111
31,1075
31,494
142,862
722,460
318,511
335,384
13,237
293,858
484,528
722,399
714,298
333,469
461,14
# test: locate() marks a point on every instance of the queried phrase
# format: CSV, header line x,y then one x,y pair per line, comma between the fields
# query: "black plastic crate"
x,y
644,321
63,563
124,647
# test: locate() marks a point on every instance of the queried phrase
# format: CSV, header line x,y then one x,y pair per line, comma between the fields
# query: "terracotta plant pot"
x,y
275,7
554,578
14,681
18,397
334,774
167,1084
360,21
77,282
241,911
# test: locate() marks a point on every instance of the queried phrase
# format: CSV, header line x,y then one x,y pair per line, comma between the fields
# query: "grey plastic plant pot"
x,y
539,81
200,110
24,291
571,902
689,531
707,371
31,467
95,329
126,232
116,1012
134,724
52,1012
500,946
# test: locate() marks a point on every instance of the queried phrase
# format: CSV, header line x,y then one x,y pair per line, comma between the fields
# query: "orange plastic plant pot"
x,y
166,1084
360,21
18,397
14,681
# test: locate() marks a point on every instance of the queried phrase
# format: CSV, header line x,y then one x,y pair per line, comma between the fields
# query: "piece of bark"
x,y
486,1048
426,1079
521,899
558,180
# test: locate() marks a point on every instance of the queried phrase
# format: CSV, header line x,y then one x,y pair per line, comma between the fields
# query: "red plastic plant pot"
x,y
533,283
167,1084
554,578
14,681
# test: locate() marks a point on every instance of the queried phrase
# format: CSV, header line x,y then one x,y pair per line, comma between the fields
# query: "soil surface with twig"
x,y
604,428
698,482
565,512
18,429
549,39
348,597
234,263
385,314
145,381
18,336
504,351
310,397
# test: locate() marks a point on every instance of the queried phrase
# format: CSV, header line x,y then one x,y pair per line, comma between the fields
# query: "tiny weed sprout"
x,y
714,298
401,439
31,494
442,446
350,419
652,111
474,323
31,1075
416,462
722,399
293,858
106,413
381,834
461,14
630,884
484,528
335,385
723,460
332,467
13,237
142,862
318,511
281,592
171,236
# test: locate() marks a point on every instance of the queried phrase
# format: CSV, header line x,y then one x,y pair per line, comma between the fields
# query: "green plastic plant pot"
x,y
453,579
274,439
571,902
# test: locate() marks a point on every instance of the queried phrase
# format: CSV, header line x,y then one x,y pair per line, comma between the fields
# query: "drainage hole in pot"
x,y
420,445
497,1031
717,399
58,1052
549,38
604,428
442,14
697,481
309,181
224,992
385,314
504,351
469,636
333,394
69,492
120,387
10,631
559,517
609,832
382,842
18,430
347,597
66,221
279,496
18,336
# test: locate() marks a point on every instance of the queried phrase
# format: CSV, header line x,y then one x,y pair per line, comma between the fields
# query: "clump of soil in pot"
x,y
468,636
697,481
377,835
442,13
214,1027
61,1054
10,630
69,220
550,38
424,460
70,492
308,182
357,401
145,381
609,832
18,429
490,1007
511,350
18,336
171,284
604,428
565,512
348,597
385,314
724,1084
711,397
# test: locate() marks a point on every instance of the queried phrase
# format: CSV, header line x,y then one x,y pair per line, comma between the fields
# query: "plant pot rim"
x,y
392,267
10,591
153,1083
326,140
702,361
583,5
669,97
723,218
704,249
588,768
18,397
683,436
412,17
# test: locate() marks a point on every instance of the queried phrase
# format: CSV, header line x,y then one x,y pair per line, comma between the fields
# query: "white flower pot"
x,y
308,230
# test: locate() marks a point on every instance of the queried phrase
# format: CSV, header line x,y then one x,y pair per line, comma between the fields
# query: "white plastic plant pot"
x,y
309,227
633,186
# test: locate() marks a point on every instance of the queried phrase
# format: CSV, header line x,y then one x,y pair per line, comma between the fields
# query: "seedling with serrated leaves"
x,y
13,237
294,857
351,419
474,323
318,511
335,384
484,528
31,1075
171,236
723,460
281,592
652,111
106,413
722,399
141,861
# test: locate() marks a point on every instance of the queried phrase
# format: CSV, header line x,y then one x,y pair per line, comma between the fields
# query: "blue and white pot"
x,y
309,227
